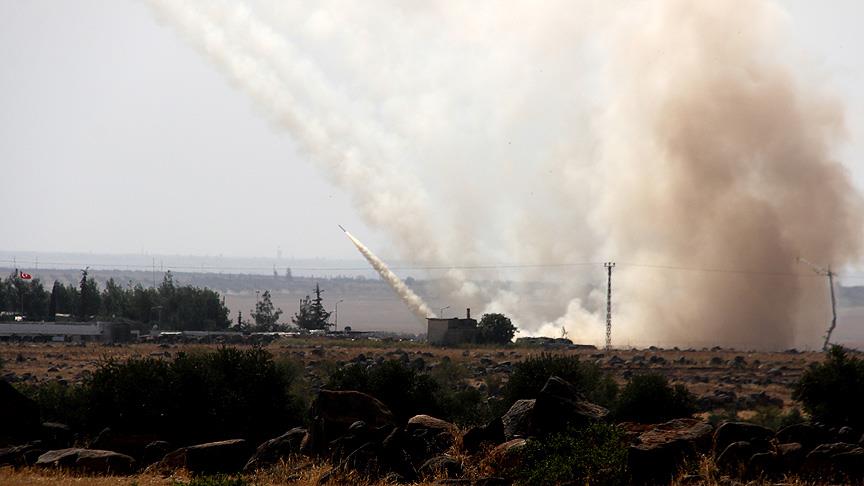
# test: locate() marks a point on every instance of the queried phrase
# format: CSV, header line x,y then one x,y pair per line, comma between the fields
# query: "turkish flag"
x,y
26,276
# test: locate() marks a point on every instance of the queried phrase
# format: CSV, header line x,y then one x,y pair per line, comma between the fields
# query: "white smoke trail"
x,y
668,132
413,301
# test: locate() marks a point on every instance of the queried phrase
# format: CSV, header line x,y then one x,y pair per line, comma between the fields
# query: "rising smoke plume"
x,y
413,301
679,138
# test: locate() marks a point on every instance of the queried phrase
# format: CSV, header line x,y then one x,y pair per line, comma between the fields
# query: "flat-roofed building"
x,y
451,331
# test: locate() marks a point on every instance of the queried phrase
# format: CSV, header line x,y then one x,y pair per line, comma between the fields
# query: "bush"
x,y
404,390
529,376
199,397
596,454
775,419
833,391
66,404
407,391
648,398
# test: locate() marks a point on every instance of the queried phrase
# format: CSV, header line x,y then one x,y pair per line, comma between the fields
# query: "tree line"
x,y
171,306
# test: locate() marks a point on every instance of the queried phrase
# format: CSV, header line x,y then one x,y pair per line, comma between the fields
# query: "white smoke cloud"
x,y
670,133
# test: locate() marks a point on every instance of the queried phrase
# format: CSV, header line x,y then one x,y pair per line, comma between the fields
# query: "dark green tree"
x,y
312,315
495,329
89,301
36,301
113,299
832,391
52,303
266,315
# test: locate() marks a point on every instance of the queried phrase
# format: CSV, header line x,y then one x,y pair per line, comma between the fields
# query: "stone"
x,y
507,455
560,405
21,455
807,435
490,433
735,458
92,461
518,421
227,456
658,453
271,451
730,432
129,444
333,413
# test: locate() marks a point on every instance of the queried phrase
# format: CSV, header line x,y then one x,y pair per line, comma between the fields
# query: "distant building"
x,y
451,331
101,332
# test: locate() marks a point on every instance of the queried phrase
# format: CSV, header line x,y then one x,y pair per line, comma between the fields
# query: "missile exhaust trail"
x,y
417,306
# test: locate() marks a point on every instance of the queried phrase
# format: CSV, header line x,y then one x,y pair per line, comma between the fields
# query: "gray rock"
x,y
87,460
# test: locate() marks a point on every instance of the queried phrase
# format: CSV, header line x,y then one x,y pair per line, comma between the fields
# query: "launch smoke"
x,y
684,140
412,300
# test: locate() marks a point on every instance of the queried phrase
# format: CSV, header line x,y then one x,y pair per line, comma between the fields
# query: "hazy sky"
x,y
116,136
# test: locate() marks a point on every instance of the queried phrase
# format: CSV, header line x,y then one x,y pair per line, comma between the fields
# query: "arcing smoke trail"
x,y
412,300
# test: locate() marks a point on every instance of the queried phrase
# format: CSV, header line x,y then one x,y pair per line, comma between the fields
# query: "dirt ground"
x,y
705,371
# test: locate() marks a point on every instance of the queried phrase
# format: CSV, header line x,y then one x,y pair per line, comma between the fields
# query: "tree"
x,y
89,302
312,315
495,329
266,314
113,299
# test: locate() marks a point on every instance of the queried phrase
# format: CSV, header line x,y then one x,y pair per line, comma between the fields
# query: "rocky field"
x,y
350,437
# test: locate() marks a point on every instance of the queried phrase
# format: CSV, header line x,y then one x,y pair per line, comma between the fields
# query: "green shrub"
x,y
774,418
66,404
596,454
405,391
529,376
833,391
227,393
648,398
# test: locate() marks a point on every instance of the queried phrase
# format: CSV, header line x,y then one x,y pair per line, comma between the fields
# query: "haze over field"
x,y
693,143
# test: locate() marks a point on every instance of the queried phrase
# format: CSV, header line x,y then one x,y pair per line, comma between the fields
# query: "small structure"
x,y
451,331
102,332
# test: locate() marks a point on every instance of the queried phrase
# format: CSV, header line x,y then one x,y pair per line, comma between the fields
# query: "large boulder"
x,y
227,456
838,461
92,461
560,404
734,458
657,454
130,444
730,432
434,435
271,451
333,413
507,456
809,436
19,416
22,455
490,433
519,420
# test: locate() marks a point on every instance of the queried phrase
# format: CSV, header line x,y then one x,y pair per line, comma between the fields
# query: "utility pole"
x,y
336,324
609,266
830,274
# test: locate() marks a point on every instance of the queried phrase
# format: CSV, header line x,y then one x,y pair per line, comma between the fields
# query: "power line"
x,y
430,267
